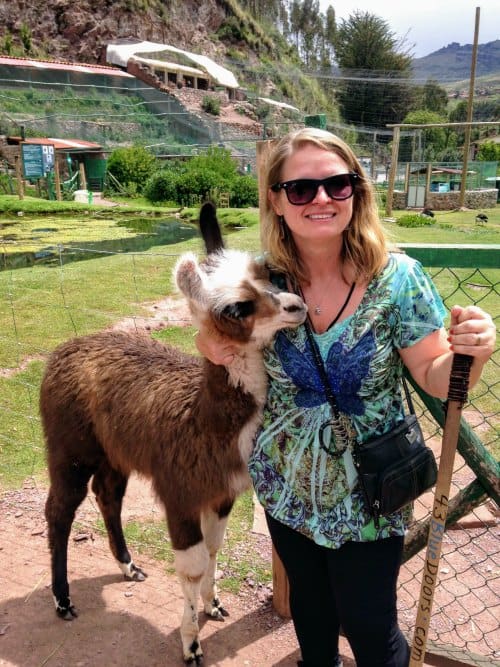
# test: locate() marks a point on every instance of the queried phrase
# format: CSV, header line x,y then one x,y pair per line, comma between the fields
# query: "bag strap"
x,y
408,397
321,370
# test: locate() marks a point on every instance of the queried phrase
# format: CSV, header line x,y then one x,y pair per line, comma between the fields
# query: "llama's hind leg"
x,y
213,525
109,487
68,489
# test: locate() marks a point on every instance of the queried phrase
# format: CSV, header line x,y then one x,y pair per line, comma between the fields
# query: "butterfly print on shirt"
x,y
346,369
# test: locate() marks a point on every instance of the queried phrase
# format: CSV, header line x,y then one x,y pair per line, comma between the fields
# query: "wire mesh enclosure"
x,y
46,303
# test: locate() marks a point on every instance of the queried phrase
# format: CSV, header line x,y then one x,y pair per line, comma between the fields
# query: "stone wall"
x,y
192,98
450,201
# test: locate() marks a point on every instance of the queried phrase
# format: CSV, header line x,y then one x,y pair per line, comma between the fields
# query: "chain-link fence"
x,y
465,618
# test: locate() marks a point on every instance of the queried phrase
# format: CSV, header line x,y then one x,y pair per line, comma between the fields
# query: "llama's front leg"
x,y
190,565
213,523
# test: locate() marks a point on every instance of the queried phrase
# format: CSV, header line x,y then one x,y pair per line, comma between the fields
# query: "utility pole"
x,y
463,184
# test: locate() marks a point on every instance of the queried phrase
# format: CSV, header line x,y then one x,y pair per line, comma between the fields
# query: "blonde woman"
x,y
371,312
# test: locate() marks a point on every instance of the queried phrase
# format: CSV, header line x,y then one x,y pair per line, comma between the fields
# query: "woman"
x,y
370,313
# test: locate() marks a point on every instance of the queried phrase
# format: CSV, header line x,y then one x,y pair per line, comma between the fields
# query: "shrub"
x,y
161,187
132,165
215,158
231,30
25,35
211,104
414,220
244,192
489,151
197,183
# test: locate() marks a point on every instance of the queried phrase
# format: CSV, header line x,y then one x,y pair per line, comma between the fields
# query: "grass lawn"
x,y
43,305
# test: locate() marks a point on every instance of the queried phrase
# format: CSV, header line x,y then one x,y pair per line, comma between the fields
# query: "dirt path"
x,y
120,623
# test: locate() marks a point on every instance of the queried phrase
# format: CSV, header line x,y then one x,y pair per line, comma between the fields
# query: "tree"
x,y
367,53
427,144
489,151
330,26
435,97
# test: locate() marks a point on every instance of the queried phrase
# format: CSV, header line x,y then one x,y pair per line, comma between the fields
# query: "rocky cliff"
x,y
79,30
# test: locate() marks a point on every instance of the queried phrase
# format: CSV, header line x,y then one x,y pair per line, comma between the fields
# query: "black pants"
x,y
353,587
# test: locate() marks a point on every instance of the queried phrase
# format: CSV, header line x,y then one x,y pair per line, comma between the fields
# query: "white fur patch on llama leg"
x,y
190,566
213,528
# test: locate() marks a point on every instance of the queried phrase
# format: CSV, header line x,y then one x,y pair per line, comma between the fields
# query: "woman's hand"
x,y
472,332
215,348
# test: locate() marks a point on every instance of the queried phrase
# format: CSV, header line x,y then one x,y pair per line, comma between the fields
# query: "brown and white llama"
x,y
116,402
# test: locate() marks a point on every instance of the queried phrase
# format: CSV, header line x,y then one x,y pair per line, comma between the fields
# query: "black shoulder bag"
x,y
394,468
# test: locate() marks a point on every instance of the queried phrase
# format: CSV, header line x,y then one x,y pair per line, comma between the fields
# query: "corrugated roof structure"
x,y
62,65
70,145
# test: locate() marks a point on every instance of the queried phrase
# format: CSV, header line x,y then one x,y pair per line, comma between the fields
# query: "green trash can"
x,y
318,120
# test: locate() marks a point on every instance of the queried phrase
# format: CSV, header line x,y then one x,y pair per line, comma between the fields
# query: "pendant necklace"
x,y
317,308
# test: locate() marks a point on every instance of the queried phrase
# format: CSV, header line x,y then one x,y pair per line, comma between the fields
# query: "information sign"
x,y
38,159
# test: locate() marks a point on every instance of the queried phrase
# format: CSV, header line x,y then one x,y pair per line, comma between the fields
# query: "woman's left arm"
x,y
429,361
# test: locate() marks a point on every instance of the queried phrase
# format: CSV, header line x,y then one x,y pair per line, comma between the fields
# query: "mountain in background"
x,y
453,62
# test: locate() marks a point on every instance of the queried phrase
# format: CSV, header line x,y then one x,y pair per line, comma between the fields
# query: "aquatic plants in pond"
x,y
24,242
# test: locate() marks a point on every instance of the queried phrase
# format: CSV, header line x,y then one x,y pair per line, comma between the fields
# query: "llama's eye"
x,y
239,310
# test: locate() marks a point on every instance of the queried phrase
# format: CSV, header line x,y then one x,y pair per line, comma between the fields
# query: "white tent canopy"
x,y
119,53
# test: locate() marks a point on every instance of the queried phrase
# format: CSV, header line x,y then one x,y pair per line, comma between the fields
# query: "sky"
x,y
428,24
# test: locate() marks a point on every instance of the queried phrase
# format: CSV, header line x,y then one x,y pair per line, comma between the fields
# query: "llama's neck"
x,y
247,372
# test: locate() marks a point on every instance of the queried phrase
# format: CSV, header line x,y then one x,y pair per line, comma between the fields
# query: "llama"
x,y
116,402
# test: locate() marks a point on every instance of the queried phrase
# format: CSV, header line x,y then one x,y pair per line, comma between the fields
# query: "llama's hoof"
x,y
67,613
194,655
217,611
138,574
132,572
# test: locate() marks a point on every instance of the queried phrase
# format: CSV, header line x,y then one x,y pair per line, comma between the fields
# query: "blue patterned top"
x,y
296,481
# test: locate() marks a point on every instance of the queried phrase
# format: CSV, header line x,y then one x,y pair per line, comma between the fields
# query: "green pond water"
x,y
31,242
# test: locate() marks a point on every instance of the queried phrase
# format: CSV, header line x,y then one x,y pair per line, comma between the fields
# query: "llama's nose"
x,y
294,308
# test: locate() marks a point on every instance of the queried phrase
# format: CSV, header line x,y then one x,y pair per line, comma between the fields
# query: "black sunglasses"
x,y
303,190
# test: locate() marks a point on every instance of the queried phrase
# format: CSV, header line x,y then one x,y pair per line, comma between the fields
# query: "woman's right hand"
x,y
215,348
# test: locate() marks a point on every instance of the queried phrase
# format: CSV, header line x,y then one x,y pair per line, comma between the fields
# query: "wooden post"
x,y
428,177
463,185
19,176
280,579
394,168
83,180
263,150
281,588
57,179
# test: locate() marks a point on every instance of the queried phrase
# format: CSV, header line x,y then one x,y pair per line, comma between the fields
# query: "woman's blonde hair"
x,y
364,245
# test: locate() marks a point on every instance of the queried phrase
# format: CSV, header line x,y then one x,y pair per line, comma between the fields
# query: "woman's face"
x,y
323,219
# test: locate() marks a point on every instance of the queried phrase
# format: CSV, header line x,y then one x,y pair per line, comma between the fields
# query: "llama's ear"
x,y
188,277
210,228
